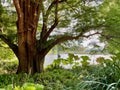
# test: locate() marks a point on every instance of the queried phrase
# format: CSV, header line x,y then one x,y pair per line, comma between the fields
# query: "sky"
x,y
93,40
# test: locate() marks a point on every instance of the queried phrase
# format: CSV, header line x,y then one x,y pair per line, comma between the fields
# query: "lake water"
x,y
50,58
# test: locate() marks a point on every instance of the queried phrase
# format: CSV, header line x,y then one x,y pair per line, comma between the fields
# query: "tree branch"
x,y
55,22
17,6
45,18
9,43
44,27
55,2
65,38
87,36
62,39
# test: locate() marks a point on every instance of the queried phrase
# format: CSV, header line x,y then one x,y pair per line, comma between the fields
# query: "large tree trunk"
x,y
36,66
30,53
28,12
33,65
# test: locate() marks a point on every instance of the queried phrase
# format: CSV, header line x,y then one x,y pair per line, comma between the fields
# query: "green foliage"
x,y
95,85
1,12
31,86
84,61
7,22
111,13
26,86
57,79
8,66
71,59
104,76
6,53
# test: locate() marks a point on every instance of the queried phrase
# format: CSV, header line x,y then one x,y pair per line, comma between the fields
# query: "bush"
x,y
8,67
105,75
58,79
26,86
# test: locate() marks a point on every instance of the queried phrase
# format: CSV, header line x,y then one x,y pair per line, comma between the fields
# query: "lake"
x,y
51,57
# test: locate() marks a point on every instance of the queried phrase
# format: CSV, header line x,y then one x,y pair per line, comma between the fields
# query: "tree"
x,y
51,14
111,33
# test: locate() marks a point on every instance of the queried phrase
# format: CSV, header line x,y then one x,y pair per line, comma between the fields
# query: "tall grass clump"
x,y
104,76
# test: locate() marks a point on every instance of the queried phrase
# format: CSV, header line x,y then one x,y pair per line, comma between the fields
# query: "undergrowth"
x,y
103,76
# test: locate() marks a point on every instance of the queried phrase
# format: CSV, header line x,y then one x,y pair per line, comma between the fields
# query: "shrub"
x,y
26,86
105,75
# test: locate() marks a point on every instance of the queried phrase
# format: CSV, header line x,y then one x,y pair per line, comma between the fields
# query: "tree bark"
x,y
28,12
33,65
